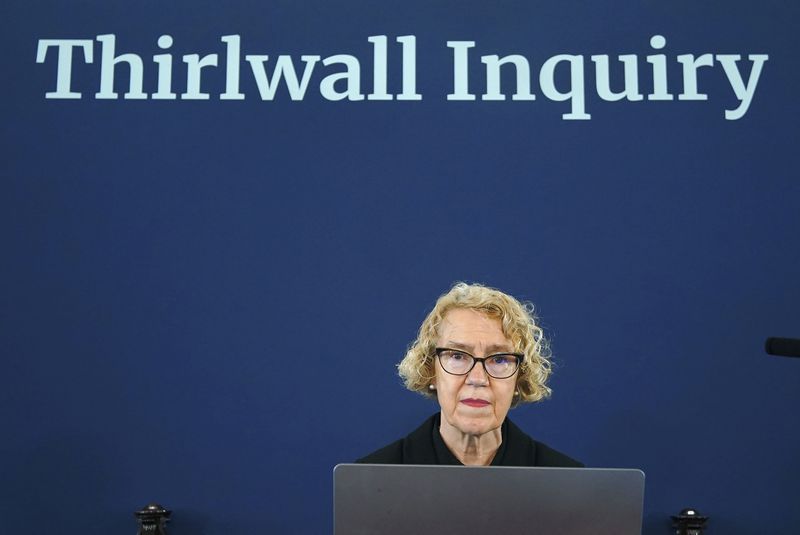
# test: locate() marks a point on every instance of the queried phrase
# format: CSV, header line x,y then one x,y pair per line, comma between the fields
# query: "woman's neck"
x,y
474,450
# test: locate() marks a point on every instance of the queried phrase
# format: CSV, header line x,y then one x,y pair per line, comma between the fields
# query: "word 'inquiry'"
x,y
344,82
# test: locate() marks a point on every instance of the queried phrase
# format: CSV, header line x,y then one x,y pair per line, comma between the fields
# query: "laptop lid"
x,y
405,499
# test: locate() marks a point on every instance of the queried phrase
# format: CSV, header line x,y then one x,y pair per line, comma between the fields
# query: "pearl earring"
x,y
431,387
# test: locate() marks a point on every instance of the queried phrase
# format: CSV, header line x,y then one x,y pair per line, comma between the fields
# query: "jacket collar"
x,y
420,446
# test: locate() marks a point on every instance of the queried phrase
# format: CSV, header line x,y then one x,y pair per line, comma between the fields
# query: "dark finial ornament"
x,y
153,520
689,522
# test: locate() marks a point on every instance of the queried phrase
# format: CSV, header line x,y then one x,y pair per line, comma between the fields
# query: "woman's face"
x,y
475,403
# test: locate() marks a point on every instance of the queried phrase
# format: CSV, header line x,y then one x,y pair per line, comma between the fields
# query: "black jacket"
x,y
425,446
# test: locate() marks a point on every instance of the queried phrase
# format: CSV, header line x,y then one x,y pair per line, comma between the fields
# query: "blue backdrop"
x,y
203,301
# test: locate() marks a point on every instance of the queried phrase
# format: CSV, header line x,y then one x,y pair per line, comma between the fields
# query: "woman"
x,y
479,352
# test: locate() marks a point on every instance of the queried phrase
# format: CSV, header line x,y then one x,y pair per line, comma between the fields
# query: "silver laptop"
x,y
392,499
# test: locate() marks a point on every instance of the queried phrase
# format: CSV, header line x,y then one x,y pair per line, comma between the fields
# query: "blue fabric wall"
x,y
202,301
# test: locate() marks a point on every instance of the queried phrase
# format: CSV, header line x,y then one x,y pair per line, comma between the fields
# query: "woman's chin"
x,y
476,425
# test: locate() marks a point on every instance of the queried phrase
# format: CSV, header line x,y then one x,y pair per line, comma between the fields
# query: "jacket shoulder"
x,y
547,456
415,448
525,451
391,454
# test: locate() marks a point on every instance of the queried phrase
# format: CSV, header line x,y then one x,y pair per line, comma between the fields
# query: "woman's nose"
x,y
477,376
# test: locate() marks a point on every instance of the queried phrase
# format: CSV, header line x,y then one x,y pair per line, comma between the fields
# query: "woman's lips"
x,y
475,402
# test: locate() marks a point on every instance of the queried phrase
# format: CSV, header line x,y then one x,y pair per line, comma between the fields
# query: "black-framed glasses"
x,y
459,362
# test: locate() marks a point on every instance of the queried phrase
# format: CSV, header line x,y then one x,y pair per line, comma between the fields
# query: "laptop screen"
x,y
408,499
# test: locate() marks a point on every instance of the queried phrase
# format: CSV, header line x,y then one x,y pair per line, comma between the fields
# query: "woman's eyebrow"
x,y
492,349
499,348
458,345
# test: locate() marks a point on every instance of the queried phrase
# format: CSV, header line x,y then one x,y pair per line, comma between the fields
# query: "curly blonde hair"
x,y
519,325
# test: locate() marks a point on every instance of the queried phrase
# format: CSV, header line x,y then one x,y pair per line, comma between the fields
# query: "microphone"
x,y
783,347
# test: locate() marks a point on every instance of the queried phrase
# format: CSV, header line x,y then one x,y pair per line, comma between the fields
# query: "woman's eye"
x,y
457,356
500,359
